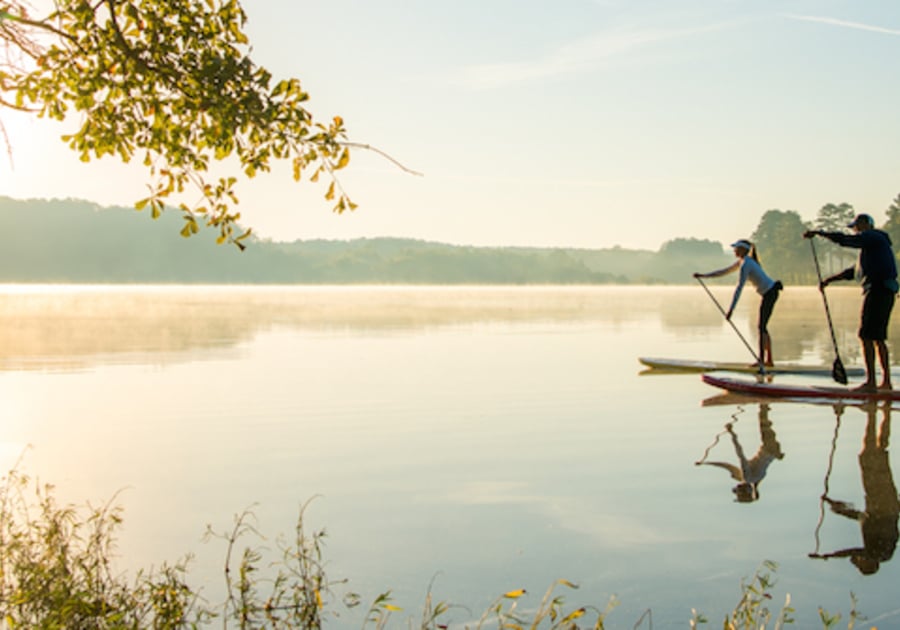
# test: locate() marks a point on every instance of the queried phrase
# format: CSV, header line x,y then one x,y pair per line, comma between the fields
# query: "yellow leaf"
x,y
575,614
330,194
567,583
514,594
345,159
318,599
186,230
392,608
338,121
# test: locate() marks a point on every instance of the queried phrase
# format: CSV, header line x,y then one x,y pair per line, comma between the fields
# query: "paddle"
x,y
838,373
762,369
837,427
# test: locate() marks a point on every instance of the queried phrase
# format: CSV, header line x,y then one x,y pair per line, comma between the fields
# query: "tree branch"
x,y
368,147
27,110
39,24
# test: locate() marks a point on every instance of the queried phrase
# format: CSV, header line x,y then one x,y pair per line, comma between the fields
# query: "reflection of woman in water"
x,y
878,522
751,471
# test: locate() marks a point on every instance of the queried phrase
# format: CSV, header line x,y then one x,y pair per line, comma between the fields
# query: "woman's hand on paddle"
x,y
697,274
811,233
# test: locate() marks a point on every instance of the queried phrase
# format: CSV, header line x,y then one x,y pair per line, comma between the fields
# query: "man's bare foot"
x,y
868,388
885,387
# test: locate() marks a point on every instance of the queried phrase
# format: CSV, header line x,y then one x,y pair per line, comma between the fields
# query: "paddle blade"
x,y
838,373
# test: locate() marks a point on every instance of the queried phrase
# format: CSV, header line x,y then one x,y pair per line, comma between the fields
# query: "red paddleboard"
x,y
772,390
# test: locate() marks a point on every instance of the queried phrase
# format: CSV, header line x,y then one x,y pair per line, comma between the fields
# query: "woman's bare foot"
x,y
885,387
868,388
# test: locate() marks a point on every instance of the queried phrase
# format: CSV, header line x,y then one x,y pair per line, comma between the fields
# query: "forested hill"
x,y
79,242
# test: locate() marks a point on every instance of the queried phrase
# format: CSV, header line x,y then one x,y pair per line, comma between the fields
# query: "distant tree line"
x,y
784,253
73,241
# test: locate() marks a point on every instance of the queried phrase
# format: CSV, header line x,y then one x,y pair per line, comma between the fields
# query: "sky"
x,y
563,123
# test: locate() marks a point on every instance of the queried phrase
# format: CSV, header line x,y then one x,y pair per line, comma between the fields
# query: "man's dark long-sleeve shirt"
x,y
876,257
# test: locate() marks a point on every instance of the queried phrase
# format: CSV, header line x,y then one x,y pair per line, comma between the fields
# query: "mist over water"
x,y
483,438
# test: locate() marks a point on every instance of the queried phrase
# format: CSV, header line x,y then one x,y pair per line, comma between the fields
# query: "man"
x,y
879,280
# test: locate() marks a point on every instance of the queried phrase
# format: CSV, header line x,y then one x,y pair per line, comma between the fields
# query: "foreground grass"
x,y
56,572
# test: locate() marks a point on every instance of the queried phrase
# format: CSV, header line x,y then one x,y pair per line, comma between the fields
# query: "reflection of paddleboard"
x,y
772,390
737,400
686,365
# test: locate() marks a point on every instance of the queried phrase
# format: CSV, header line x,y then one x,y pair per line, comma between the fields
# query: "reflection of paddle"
x,y
734,418
837,427
838,373
762,369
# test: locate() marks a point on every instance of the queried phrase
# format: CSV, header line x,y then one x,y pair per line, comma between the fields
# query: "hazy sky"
x,y
586,123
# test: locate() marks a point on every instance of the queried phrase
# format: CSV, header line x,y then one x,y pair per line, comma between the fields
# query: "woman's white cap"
x,y
743,243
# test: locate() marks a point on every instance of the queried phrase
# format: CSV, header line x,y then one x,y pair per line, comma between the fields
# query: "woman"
x,y
750,269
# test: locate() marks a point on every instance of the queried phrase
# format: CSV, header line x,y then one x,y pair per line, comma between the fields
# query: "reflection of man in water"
x,y
751,471
879,520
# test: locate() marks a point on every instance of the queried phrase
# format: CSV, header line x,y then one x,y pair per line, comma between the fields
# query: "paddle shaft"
x,y
824,299
838,372
725,315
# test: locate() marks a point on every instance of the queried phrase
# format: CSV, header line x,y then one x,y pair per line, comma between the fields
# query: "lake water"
x,y
476,439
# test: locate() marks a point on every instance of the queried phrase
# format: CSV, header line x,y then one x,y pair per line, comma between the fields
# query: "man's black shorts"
x,y
876,313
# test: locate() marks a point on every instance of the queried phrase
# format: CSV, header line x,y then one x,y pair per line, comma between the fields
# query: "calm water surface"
x,y
480,439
